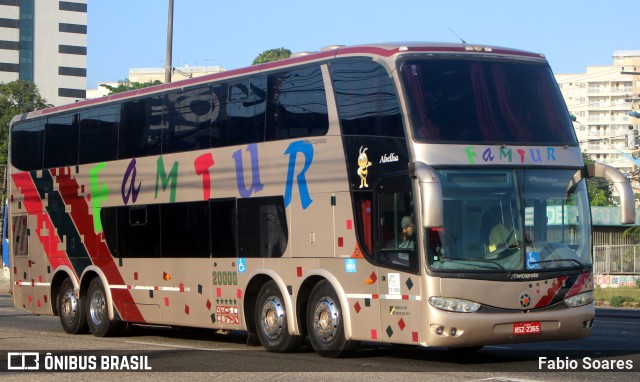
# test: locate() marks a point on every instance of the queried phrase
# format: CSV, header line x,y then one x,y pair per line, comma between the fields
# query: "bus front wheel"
x,y
98,314
325,322
71,310
271,320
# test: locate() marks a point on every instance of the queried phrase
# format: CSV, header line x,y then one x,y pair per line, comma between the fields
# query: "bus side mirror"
x,y
430,194
623,187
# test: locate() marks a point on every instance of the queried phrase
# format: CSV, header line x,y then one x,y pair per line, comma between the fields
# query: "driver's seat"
x,y
489,220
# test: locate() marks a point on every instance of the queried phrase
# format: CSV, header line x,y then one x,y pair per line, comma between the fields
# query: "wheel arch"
x,y
312,278
61,273
257,279
89,274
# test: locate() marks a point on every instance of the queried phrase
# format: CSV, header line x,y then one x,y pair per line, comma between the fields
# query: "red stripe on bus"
x,y
578,286
551,292
97,249
34,207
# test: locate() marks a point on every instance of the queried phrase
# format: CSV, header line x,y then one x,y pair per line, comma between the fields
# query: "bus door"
x,y
21,262
397,259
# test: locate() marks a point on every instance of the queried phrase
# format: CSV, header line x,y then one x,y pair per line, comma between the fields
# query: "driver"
x,y
502,234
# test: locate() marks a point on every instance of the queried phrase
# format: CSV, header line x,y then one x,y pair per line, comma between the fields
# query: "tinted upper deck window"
x,y
99,134
485,101
27,144
297,104
141,125
61,141
367,99
188,120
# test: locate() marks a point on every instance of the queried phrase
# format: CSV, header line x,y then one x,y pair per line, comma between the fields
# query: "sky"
x,y
125,34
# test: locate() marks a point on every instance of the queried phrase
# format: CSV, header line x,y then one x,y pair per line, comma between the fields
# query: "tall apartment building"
x,y
45,42
601,100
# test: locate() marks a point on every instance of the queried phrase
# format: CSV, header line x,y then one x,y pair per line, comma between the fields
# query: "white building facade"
x,y
45,42
601,100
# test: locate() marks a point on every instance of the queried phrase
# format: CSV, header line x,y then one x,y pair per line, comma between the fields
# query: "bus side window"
x,y
139,231
223,227
262,227
61,141
297,105
29,136
20,235
185,229
188,119
396,230
367,99
245,112
141,125
99,134
219,118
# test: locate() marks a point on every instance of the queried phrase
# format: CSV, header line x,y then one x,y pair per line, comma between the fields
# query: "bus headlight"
x,y
579,299
454,304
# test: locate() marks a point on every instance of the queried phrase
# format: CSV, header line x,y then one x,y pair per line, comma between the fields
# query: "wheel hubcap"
x,y
326,319
69,306
97,308
272,317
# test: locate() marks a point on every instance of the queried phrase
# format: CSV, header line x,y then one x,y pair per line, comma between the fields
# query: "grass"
x,y
619,297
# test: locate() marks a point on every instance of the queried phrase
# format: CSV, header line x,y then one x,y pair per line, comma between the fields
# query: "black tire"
x,y
272,321
325,323
71,310
98,313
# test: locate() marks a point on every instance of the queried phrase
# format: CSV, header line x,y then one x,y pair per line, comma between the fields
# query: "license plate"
x,y
520,328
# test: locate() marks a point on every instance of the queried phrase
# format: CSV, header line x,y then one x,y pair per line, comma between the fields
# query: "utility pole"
x,y
168,65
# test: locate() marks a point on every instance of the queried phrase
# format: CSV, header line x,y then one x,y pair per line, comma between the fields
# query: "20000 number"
x,y
225,278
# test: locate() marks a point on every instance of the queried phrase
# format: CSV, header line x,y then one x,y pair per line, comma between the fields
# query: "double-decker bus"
x,y
426,194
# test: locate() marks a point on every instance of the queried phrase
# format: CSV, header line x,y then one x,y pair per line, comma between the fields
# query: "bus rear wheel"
x,y
271,320
98,314
325,323
71,310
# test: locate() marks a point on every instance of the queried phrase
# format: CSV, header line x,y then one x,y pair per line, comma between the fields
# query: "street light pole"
x,y
167,67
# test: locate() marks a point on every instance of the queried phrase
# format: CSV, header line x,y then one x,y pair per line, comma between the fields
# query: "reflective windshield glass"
x,y
511,220
485,101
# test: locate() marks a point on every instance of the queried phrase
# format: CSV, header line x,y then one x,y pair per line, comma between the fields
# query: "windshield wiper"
x,y
503,269
555,260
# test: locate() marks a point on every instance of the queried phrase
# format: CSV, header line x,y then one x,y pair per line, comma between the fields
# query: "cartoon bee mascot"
x,y
363,164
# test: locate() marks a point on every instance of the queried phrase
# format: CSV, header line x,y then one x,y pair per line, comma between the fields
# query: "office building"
x,y
45,42
600,100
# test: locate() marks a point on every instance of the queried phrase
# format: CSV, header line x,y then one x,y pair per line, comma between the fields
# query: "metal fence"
x,y
616,259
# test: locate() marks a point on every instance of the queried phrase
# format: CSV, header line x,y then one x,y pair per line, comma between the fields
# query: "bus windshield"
x,y
458,100
514,220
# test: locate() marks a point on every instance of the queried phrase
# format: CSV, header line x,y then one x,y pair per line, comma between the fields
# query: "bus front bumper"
x,y
453,329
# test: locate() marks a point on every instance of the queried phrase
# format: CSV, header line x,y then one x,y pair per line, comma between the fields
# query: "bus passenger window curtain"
x,y
508,109
366,219
426,129
486,116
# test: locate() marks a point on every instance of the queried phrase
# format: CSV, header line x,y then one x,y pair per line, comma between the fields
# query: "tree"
x,y
17,97
599,189
272,55
126,85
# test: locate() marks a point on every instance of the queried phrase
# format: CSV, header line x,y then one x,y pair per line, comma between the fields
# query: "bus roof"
x,y
382,50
